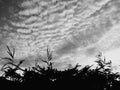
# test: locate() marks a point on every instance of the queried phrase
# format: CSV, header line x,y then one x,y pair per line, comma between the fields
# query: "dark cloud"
x,y
67,48
8,8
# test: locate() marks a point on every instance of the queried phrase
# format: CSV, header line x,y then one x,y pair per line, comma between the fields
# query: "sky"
x,y
75,30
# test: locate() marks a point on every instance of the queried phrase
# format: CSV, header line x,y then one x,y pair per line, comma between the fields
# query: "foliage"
x,y
99,78
10,67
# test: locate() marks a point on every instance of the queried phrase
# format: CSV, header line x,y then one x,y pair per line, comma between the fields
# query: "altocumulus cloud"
x,y
74,29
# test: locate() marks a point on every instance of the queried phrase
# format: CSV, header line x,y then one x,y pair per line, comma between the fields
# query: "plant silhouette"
x,y
86,78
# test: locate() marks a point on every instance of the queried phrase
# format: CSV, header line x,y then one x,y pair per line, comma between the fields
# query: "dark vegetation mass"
x,y
37,77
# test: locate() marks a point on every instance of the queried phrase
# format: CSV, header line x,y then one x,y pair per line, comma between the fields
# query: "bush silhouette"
x,y
87,78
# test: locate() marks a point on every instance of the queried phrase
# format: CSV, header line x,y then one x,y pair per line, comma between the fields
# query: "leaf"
x,y
49,58
8,48
41,58
20,62
7,58
45,61
10,53
49,55
13,52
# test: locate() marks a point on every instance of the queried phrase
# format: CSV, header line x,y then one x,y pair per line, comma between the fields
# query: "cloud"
x,y
66,48
42,24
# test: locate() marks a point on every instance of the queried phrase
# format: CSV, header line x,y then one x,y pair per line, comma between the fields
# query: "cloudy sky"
x,y
75,30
